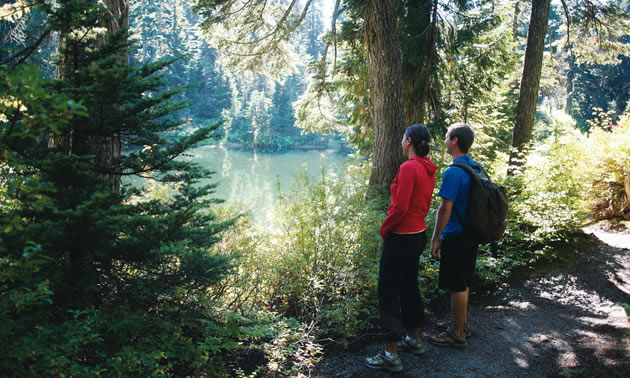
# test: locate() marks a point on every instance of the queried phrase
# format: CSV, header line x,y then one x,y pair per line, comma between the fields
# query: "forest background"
x,y
100,277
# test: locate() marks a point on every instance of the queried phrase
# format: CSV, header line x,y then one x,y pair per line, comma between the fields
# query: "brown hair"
x,y
464,134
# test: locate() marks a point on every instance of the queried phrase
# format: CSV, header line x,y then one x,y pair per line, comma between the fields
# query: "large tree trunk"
x,y
418,45
530,82
105,148
110,147
384,70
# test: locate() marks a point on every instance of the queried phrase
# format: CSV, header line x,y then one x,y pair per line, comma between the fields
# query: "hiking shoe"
x,y
448,338
414,347
382,362
443,325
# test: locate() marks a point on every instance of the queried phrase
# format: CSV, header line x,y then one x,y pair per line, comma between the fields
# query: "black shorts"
x,y
457,262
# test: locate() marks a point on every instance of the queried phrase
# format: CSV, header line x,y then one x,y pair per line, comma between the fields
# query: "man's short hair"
x,y
465,135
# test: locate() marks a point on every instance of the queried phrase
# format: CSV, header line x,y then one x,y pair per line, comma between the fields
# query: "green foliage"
x,y
262,343
478,75
318,263
325,250
600,28
256,109
96,280
167,29
598,90
607,169
556,189
546,194
255,35
337,97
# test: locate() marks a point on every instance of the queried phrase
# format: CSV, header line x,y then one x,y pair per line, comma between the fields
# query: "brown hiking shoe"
x,y
448,338
444,324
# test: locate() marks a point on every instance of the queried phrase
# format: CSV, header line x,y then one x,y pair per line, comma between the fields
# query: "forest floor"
x,y
561,319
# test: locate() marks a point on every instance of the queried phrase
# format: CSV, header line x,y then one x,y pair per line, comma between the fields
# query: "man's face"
x,y
449,142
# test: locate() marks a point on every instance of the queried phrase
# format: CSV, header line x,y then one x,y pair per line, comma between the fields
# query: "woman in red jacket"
x,y
404,238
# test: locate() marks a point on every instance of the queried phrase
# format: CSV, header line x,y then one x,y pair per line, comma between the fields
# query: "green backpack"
x,y
487,207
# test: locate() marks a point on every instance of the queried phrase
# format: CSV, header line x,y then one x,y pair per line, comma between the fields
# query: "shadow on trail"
x,y
564,322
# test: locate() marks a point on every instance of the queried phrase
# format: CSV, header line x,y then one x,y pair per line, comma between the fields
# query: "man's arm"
x,y
443,215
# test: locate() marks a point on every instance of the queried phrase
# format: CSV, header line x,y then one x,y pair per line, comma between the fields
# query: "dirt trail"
x,y
564,322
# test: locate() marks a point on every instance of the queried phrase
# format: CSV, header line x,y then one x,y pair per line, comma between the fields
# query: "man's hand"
x,y
435,248
441,220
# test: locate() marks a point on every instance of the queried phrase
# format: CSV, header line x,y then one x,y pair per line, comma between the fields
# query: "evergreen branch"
x,y
28,51
333,29
566,15
277,36
275,30
434,17
15,33
245,5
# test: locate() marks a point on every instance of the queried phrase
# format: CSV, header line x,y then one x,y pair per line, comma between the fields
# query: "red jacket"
x,y
411,190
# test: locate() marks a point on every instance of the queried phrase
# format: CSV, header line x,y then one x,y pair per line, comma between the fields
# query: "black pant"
x,y
399,299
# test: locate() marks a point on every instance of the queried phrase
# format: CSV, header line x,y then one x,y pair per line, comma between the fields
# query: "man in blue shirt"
x,y
459,249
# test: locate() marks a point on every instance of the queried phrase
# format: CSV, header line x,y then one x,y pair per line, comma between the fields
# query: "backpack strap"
x,y
469,169
473,176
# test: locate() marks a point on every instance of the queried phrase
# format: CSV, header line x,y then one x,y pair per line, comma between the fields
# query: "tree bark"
x,y
517,12
418,45
105,148
530,81
111,147
384,71
571,73
626,208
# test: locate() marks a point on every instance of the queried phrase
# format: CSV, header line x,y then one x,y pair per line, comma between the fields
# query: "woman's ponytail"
x,y
420,138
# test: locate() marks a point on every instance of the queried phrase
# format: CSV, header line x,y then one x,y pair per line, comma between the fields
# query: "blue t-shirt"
x,y
456,187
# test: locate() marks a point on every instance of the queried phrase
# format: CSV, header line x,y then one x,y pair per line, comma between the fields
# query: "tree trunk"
x,y
530,81
517,13
105,148
111,147
571,73
570,78
418,45
384,71
626,208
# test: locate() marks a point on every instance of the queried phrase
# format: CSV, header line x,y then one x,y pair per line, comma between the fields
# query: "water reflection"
x,y
254,178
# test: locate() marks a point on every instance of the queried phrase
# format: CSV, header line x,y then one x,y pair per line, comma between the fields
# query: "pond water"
x,y
254,179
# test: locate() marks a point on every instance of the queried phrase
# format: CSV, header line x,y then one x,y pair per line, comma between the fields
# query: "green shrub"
x,y
606,168
318,262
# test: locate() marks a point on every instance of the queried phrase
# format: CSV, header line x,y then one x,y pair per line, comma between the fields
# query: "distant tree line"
x,y
257,109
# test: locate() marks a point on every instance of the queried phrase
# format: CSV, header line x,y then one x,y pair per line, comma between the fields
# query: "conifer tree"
x,y
95,280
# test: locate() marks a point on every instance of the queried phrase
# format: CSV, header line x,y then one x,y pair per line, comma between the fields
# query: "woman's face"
x,y
405,142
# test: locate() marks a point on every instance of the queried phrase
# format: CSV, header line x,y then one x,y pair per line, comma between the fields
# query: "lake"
x,y
254,178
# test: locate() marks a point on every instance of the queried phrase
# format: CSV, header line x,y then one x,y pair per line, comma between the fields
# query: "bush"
x,y
318,263
606,169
